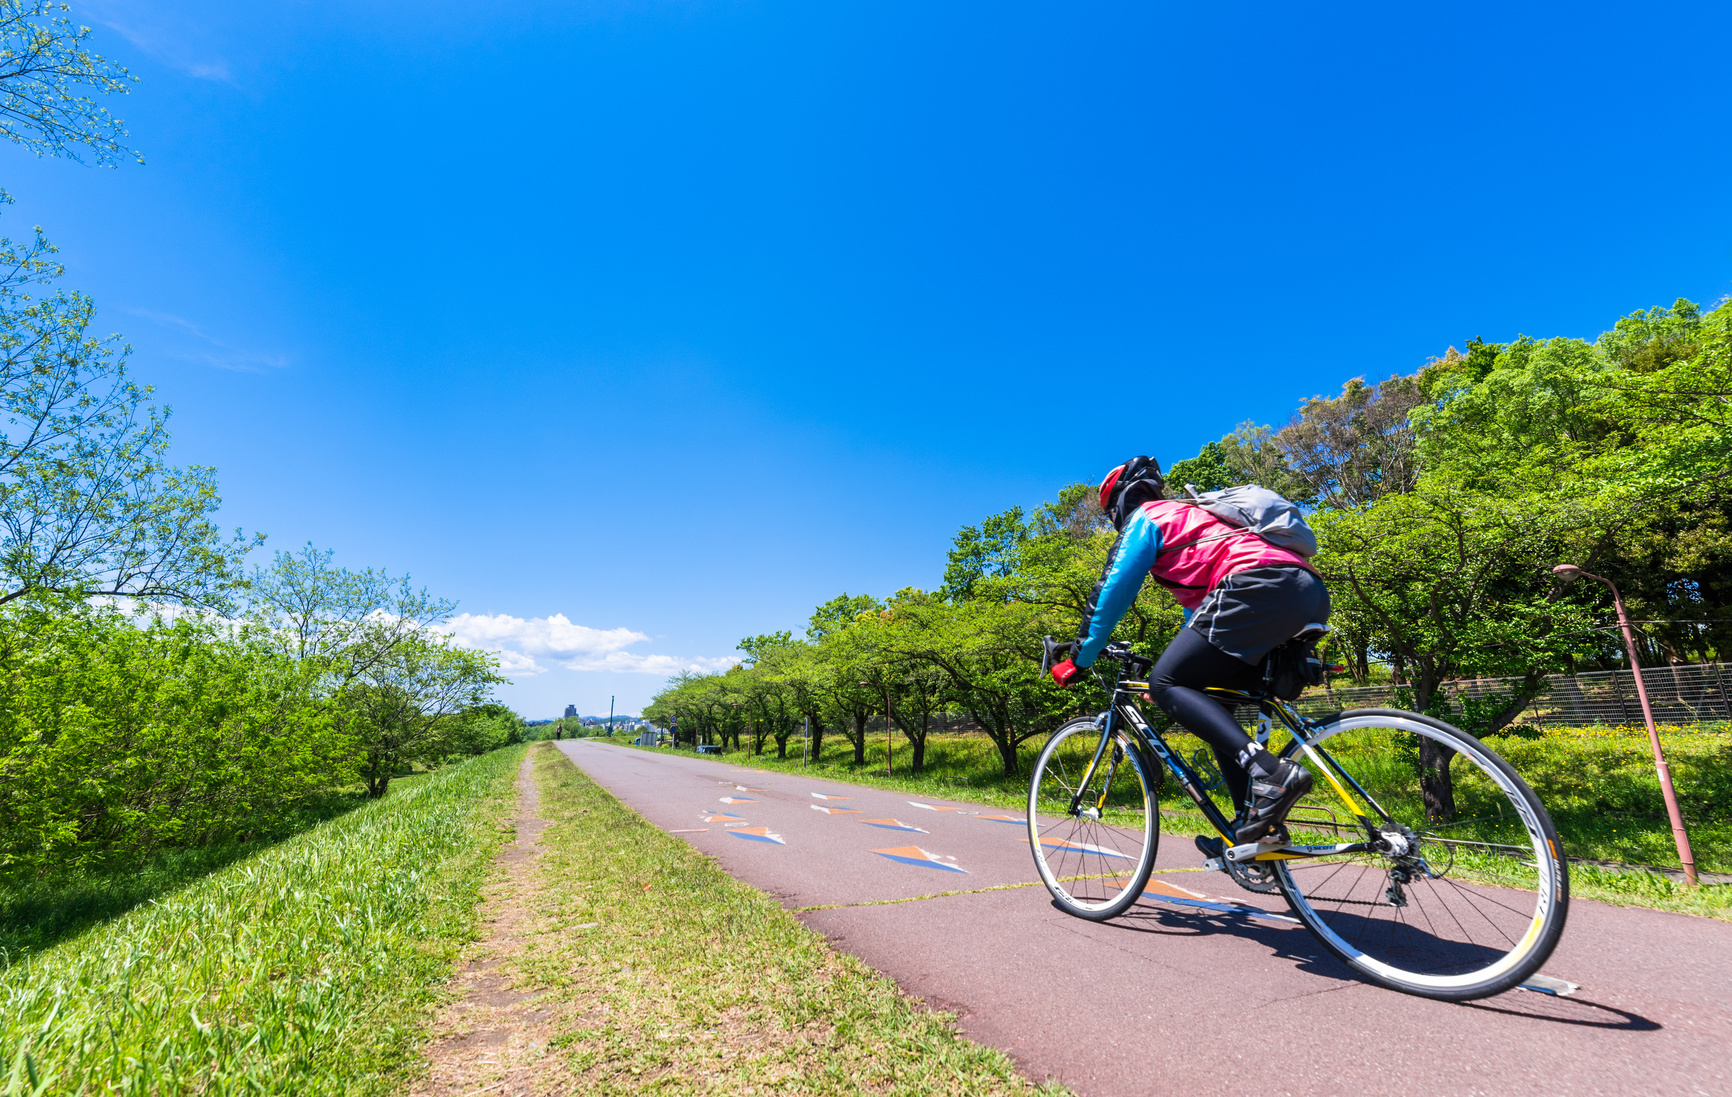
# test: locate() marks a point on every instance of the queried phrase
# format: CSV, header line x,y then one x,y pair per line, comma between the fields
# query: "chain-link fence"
x,y
1689,693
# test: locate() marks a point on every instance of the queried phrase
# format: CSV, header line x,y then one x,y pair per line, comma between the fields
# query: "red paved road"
x,y
1177,999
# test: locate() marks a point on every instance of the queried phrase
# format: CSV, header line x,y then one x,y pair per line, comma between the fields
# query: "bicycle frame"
x,y
1124,712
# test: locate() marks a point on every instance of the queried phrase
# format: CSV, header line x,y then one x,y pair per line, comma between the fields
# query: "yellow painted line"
x,y
969,891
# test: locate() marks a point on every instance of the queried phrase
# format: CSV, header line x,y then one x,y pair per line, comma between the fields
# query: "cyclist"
x,y
1243,598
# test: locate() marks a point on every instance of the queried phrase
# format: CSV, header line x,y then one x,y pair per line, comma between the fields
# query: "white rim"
x,y
1536,836
1047,876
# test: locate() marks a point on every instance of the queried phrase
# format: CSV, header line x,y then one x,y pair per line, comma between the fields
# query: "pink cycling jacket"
x,y
1187,550
1190,566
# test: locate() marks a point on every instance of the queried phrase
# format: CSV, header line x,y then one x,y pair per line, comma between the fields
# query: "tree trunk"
x,y
860,719
377,775
915,733
1006,752
1530,688
817,738
781,748
1436,785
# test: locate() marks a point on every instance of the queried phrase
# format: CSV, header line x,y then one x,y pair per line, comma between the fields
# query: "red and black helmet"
x,y
1130,485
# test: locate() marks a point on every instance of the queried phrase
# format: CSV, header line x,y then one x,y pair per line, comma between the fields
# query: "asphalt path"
x,y
1206,990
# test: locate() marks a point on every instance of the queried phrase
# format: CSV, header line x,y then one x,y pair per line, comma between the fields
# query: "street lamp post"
x,y
1569,573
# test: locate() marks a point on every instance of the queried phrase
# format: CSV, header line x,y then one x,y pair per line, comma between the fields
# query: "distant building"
x,y
570,712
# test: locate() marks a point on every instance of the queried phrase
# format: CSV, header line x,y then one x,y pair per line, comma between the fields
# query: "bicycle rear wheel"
x,y
1469,894
1093,833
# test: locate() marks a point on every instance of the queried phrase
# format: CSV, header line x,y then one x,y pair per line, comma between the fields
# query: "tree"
x,y
1207,471
988,653
400,699
46,73
915,688
988,551
88,504
839,613
1450,583
1356,448
340,619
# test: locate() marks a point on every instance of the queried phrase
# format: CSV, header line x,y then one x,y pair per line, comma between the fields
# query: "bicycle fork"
x,y
1094,812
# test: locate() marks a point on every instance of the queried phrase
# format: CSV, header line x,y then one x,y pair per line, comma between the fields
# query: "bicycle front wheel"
x,y
1465,895
1093,825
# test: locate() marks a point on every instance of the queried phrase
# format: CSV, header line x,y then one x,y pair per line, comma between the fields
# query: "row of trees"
x,y
153,692
1441,499
916,652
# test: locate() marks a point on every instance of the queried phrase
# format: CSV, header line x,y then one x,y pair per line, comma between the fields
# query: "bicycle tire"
x,y
1105,852
1508,911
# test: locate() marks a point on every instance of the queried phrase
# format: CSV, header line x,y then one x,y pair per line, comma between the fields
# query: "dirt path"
x,y
492,1038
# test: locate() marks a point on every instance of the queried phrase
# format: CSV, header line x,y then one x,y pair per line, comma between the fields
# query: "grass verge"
x,y
303,969
666,975
40,910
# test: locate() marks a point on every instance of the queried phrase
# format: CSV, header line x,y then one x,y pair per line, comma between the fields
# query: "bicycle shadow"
x,y
1295,943
1566,1011
1284,941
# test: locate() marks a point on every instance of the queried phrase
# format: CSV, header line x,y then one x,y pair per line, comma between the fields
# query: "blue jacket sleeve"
x,y
1127,566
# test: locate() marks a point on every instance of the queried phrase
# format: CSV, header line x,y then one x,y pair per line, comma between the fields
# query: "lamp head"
x,y
1567,573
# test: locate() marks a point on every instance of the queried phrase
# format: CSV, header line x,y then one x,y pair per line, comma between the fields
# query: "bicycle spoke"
x,y
1095,860
1451,906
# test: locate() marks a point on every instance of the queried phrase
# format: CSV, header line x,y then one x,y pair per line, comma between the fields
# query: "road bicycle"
x,y
1445,892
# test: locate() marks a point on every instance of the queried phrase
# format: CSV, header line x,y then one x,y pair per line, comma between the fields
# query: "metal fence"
x,y
1690,693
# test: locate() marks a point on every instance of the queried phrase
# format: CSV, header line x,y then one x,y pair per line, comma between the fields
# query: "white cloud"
x,y
169,38
515,664
523,642
214,352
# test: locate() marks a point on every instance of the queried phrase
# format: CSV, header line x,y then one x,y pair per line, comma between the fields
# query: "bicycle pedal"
x,y
1214,864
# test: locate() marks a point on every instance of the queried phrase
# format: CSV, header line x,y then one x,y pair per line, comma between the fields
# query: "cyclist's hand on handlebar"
x,y
1066,672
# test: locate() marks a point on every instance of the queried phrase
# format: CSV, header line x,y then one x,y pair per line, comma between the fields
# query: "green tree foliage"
x,y
47,75
481,728
88,502
981,553
122,735
407,702
1207,471
338,619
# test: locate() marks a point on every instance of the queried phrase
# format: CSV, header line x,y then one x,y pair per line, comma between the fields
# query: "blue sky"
x,y
640,327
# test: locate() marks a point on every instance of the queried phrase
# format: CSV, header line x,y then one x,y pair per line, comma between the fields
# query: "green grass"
x,y
39,910
305,968
690,981
1602,792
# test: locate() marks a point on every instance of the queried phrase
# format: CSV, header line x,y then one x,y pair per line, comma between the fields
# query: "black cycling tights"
x,y
1190,665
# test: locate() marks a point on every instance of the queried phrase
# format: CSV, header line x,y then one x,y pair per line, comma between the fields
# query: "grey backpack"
x,y
1256,510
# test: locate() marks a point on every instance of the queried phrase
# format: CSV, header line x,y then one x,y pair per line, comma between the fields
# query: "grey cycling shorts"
x,y
1253,612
